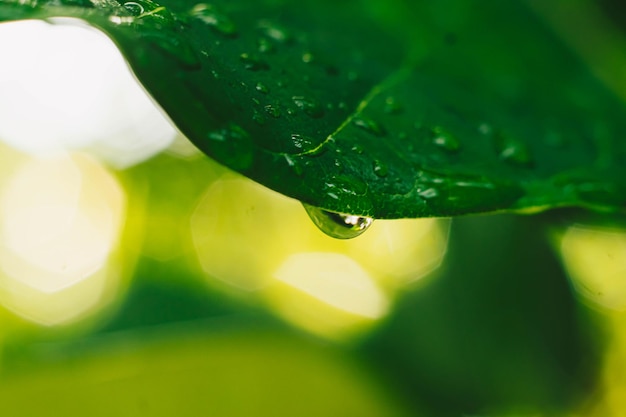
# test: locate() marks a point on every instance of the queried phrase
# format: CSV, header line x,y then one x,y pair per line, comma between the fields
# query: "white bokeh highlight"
x,y
65,86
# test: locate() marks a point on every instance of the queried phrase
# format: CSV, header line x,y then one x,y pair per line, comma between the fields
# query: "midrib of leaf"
x,y
377,90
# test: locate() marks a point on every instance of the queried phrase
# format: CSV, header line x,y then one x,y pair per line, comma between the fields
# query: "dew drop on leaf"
x,y
392,106
512,151
338,225
259,118
309,106
273,111
262,88
380,169
274,31
369,126
264,46
220,22
175,47
302,143
445,140
293,164
253,62
134,8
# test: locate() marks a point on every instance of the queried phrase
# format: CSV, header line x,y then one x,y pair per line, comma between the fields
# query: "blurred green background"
x,y
137,277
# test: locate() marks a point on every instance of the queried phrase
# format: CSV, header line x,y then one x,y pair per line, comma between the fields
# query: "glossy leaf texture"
x,y
385,109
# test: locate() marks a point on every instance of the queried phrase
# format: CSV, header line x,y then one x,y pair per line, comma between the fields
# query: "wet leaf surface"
x,y
373,108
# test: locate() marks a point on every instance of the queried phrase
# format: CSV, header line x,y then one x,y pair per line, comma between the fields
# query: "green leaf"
x,y
379,108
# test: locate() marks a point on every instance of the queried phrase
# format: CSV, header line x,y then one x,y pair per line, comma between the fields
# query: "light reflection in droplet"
x,y
60,221
66,86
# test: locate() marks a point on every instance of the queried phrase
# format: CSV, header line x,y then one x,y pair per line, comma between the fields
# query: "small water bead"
x,y
176,47
232,132
428,193
303,143
445,140
253,62
134,8
357,148
392,106
338,225
309,106
380,168
259,118
262,88
275,32
293,164
369,126
264,46
273,111
513,151
218,21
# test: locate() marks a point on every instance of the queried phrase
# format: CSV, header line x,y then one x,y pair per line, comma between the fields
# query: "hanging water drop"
x,y
218,21
338,225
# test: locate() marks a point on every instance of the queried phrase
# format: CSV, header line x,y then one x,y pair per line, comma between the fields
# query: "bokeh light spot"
x,y
66,86
595,260
60,220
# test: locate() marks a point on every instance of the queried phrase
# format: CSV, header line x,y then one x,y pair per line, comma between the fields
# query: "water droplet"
x,y
262,88
512,150
338,225
218,21
259,118
272,111
357,148
309,106
134,8
392,106
232,132
175,47
265,46
275,32
428,193
253,62
369,126
303,143
485,129
293,164
445,140
380,168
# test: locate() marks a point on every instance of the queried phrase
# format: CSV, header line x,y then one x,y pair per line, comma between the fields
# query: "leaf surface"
x,y
381,109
